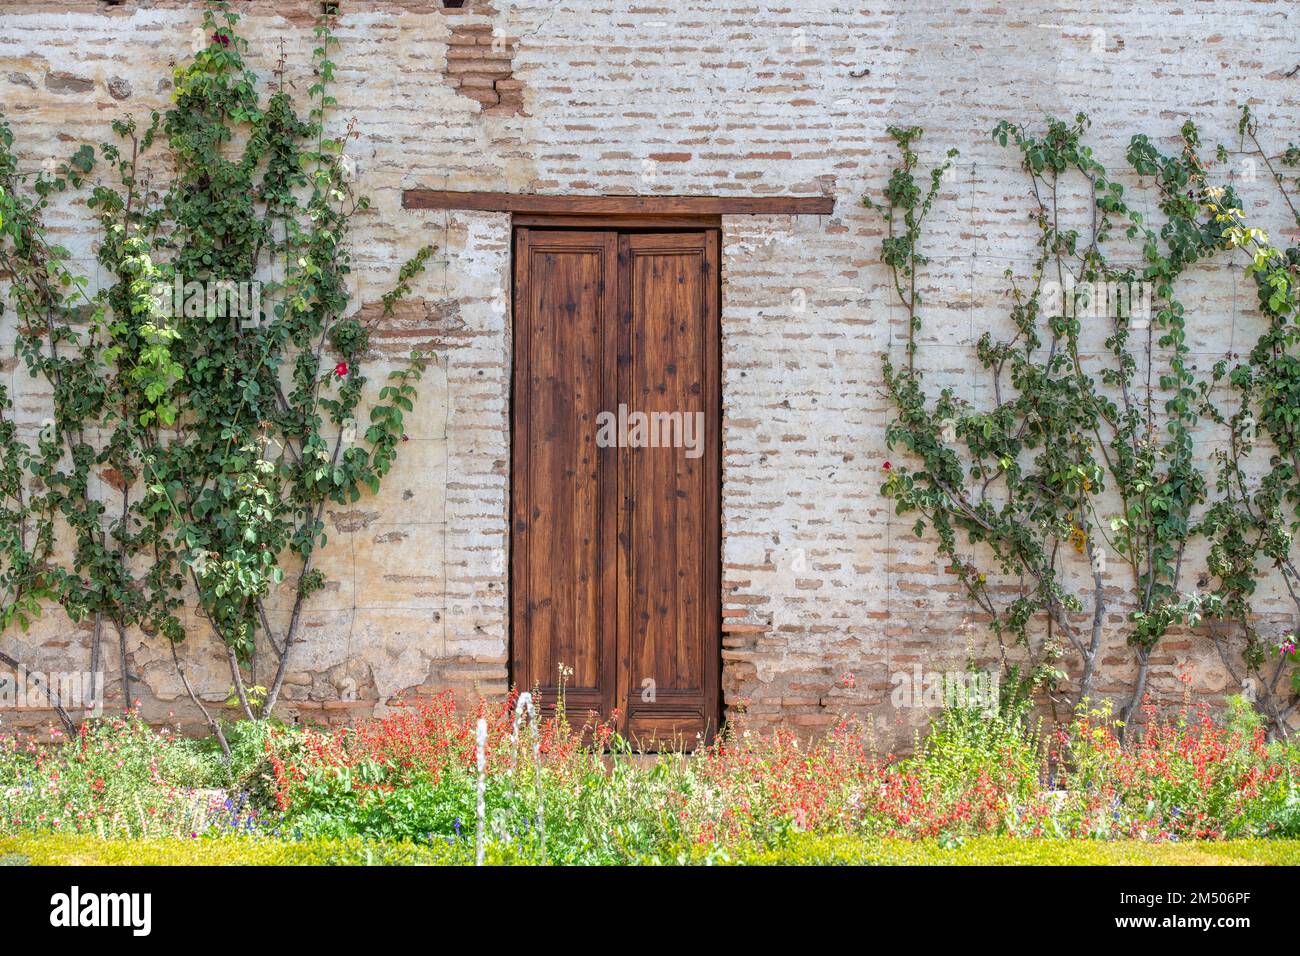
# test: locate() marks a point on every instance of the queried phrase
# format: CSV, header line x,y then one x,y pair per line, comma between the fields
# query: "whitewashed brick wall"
x,y
726,97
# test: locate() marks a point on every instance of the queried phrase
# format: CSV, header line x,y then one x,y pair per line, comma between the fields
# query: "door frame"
x,y
622,223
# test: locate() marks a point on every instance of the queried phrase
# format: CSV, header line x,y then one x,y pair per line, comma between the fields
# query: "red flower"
x,y
341,369
221,38
887,466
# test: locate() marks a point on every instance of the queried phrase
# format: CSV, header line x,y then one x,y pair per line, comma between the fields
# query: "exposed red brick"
x,y
479,62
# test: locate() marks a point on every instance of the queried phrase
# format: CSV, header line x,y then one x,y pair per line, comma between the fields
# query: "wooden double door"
x,y
615,543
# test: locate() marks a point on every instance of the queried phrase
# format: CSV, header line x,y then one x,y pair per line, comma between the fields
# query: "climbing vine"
x,y
1083,461
208,401
1252,525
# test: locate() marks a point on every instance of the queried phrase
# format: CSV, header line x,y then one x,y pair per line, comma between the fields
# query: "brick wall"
x,y
742,97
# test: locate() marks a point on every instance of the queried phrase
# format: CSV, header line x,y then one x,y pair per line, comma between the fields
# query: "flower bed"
x,y
410,779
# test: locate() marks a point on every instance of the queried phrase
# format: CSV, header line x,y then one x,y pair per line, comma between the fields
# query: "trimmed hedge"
x,y
801,850
50,850
1005,851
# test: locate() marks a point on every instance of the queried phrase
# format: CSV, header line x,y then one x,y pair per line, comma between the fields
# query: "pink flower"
x,y
341,369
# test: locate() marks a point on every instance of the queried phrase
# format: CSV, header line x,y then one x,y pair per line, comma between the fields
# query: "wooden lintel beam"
x,y
620,205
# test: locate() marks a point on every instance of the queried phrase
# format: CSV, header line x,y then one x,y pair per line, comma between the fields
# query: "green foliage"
x,y
906,206
232,851
116,777
1077,457
800,850
815,850
1185,776
205,432
1252,524
965,743
411,779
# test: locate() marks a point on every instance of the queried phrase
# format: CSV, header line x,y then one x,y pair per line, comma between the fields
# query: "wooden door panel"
x,y
670,533
563,503
615,551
